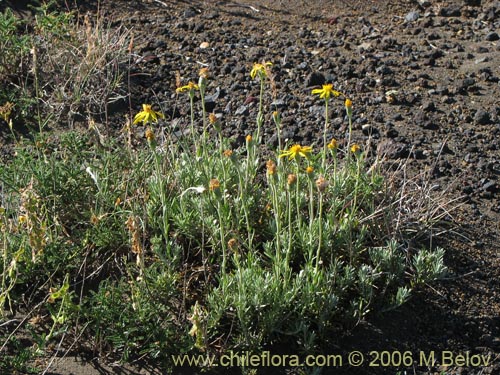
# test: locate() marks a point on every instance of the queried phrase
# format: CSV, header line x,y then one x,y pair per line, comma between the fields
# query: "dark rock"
x,y
189,13
429,107
392,149
451,11
490,186
315,79
420,118
472,3
491,37
482,117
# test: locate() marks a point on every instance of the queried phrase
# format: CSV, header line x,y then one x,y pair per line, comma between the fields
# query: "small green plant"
x,y
185,245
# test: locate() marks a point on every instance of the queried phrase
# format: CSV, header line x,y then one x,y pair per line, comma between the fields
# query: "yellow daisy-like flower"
x,y
333,144
355,148
326,91
260,69
297,150
191,86
147,115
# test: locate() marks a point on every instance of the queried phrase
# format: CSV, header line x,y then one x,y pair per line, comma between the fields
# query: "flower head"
x,y
214,184
150,135
291,179
228,153
232,243
297,150
248,138
5,111
321,184
333,144
326,91
309,169
212,118
147,115
355,148
348,106
190,87
260,69
271,167
204,73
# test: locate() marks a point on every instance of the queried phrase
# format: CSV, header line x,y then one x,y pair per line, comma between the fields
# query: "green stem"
x,y
323,161
320,230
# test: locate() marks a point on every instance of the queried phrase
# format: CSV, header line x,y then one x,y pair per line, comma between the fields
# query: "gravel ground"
x,y
441,58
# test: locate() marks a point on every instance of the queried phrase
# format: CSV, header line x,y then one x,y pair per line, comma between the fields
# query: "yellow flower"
x,y
248,138
348,106
271,167
309,169
326,91
295,150
260,69
333,144
147,115
191,86
355,148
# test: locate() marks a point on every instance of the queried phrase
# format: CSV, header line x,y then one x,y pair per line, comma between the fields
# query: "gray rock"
x,y
241,110
482,117
189,13
412,16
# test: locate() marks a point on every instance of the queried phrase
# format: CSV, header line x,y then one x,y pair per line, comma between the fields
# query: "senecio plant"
x,y
209,251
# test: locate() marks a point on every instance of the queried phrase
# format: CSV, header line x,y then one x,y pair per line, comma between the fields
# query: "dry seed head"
x,y
150,135
321,184
214,184
291,179
228,153
204,73
271,167
212,118
232,243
